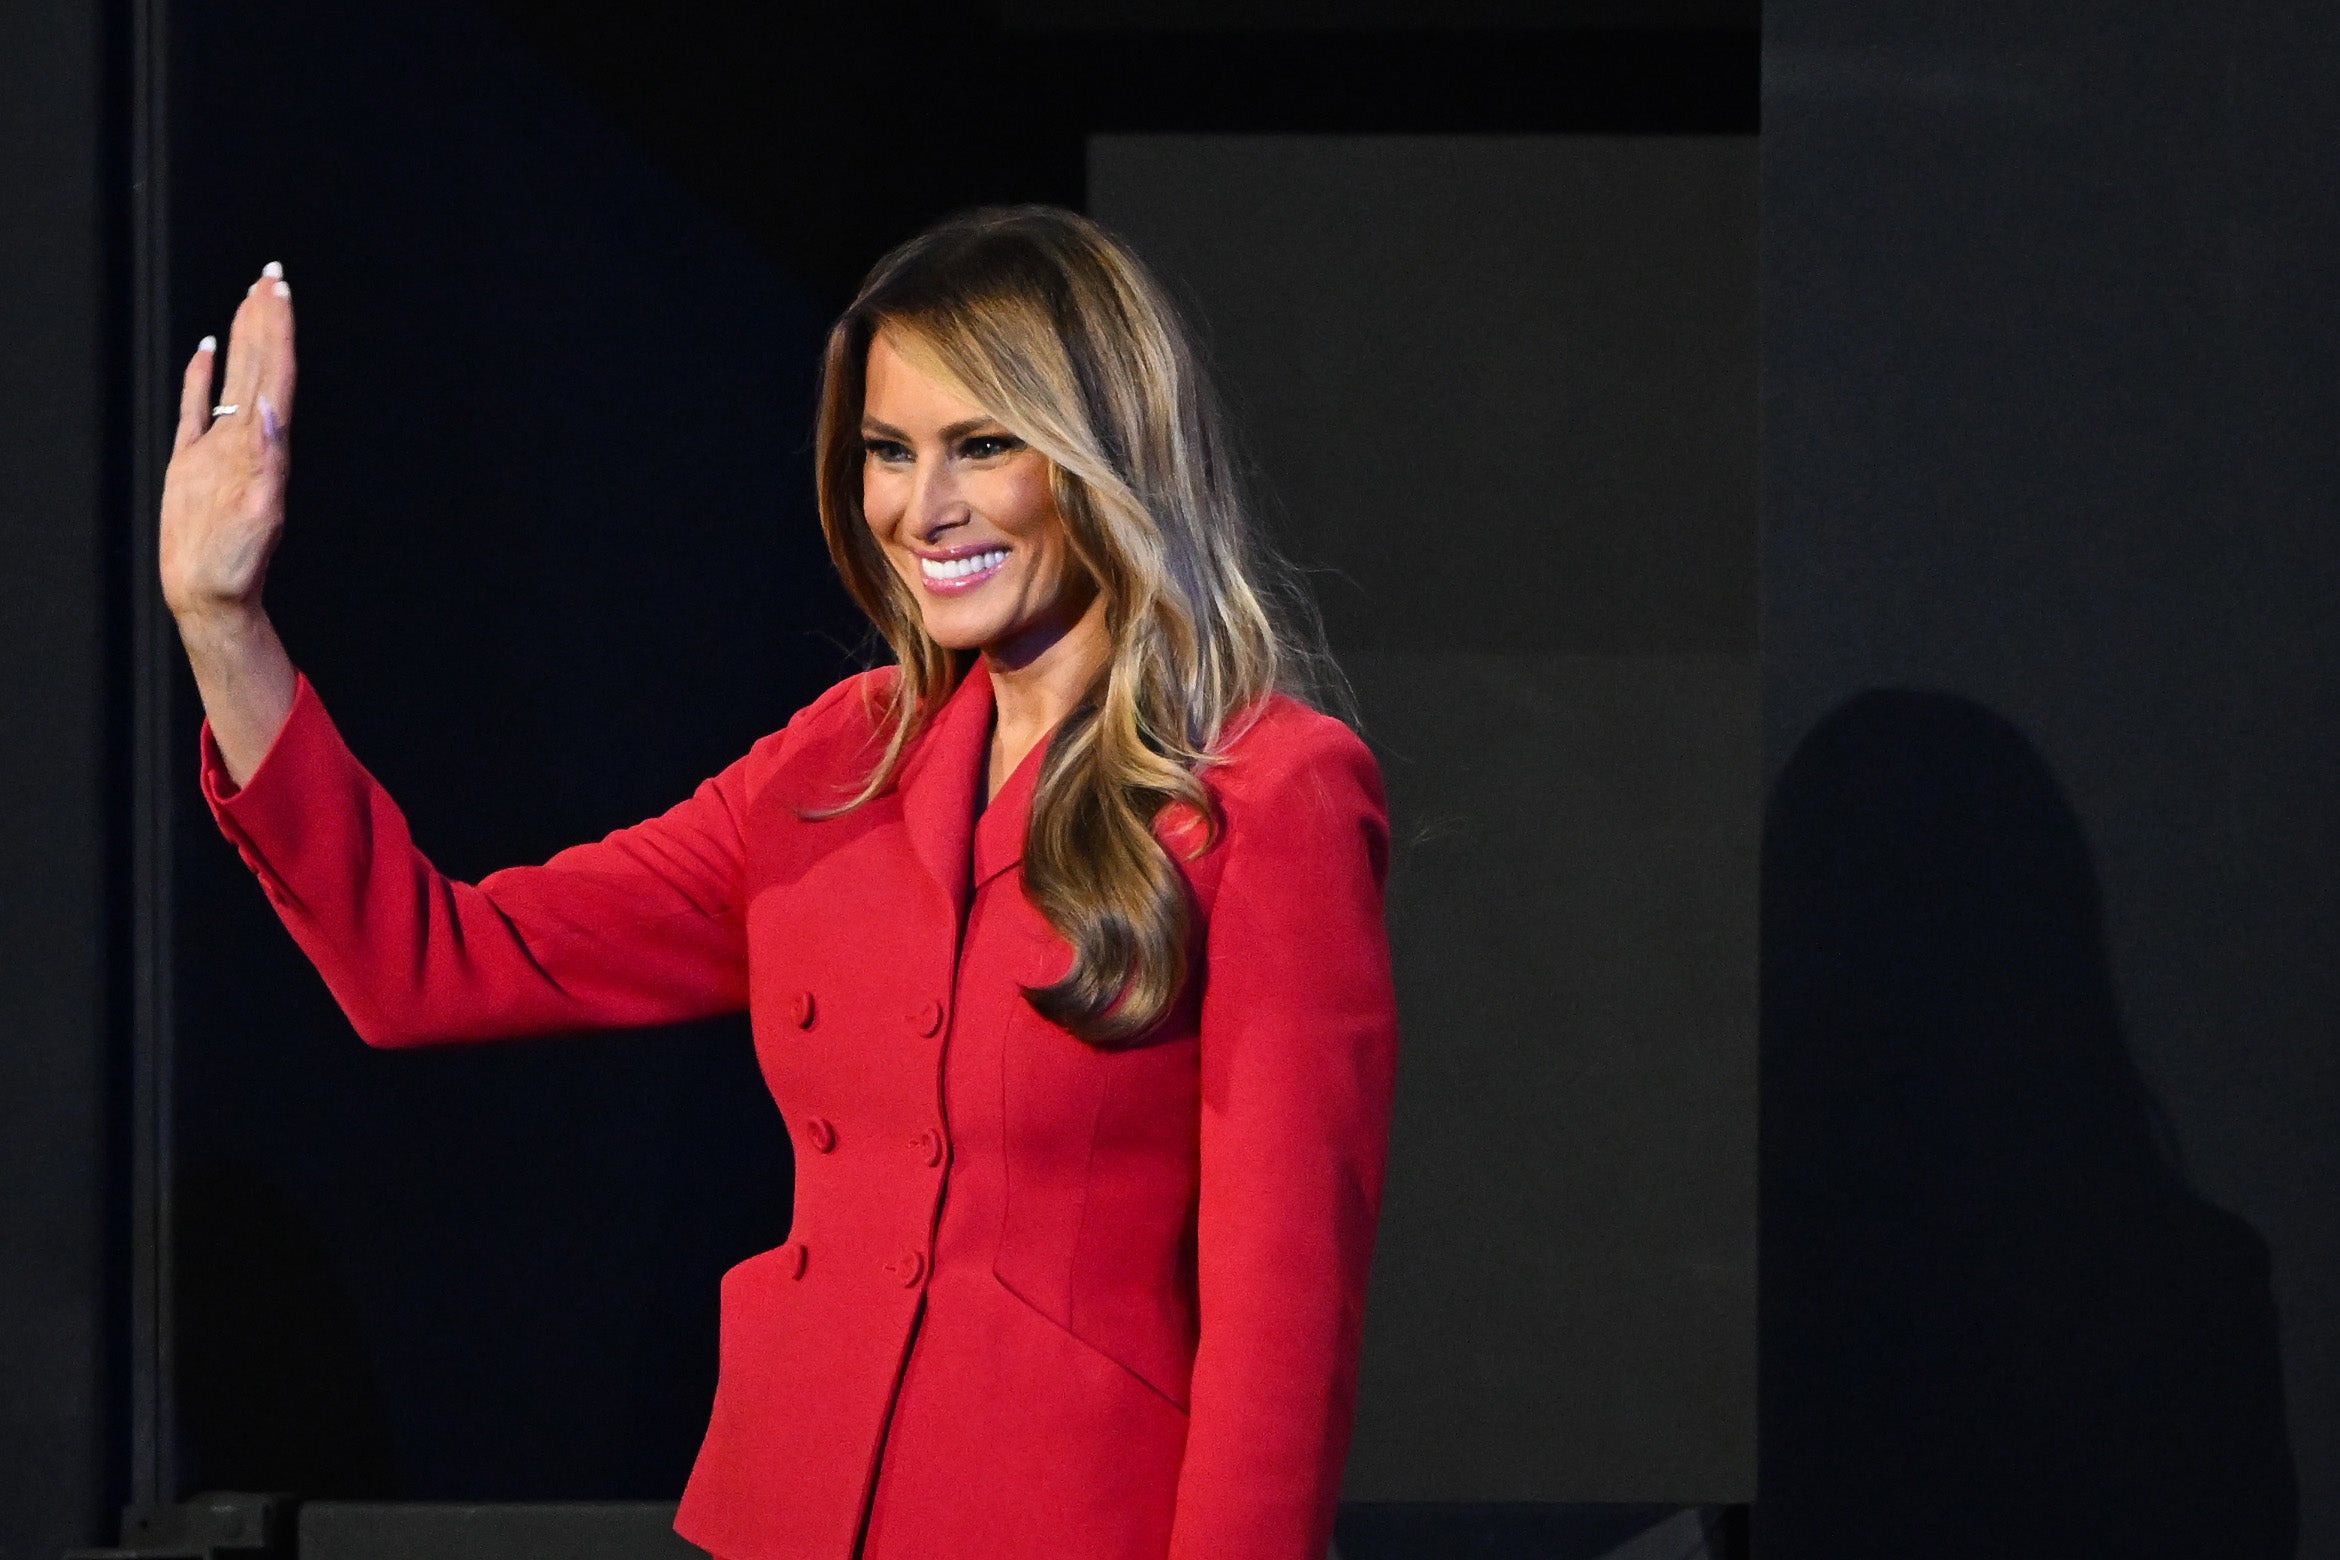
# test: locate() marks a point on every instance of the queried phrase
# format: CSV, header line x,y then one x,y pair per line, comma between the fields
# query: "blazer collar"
x,y
938,785
999,833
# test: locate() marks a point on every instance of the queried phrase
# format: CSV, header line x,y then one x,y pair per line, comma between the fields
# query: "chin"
x,y
959,630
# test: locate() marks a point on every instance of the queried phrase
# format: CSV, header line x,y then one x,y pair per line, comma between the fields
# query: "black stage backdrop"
x,y
2050,1253
63,483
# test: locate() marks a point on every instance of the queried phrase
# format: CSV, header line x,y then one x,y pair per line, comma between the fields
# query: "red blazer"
x,y
1039,1301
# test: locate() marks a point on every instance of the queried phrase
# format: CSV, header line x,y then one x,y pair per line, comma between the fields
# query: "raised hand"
x,y
223,495
222,512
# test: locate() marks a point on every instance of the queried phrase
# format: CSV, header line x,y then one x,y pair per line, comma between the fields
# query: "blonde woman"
x,y
1061,936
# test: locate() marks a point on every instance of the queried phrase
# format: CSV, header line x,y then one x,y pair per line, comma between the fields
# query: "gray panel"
x,y
2050,368
1504,386
1502,390
1563,1293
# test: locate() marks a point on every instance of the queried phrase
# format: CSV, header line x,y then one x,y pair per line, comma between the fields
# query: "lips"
x,y
954,573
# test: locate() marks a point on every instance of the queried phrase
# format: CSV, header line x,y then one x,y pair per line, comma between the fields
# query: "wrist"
x,y
221,624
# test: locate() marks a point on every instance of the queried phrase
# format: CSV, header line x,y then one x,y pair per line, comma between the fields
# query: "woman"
x,y
1061,936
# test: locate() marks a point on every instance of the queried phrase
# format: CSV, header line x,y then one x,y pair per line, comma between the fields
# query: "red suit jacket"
x,y
1039,1301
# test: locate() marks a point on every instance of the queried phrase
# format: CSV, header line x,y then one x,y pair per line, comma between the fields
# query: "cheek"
x,y
877,506
1027,512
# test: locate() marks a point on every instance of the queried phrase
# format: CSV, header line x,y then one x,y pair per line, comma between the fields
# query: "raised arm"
x,y
644,926
222,513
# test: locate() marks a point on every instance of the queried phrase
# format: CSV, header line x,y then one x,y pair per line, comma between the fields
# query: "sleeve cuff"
x,y
219,789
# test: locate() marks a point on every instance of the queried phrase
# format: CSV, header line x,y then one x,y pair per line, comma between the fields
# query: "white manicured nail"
x,y
284,289
272,268
208,344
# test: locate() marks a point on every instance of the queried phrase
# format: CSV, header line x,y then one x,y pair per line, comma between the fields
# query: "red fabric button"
x,y
792,1259
929,1146
928,1018
912,1267
819,1133
801,1009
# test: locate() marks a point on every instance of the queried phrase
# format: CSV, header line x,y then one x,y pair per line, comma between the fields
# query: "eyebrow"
x,y
957,430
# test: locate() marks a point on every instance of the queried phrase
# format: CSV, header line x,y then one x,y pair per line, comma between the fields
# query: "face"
x,y
962,509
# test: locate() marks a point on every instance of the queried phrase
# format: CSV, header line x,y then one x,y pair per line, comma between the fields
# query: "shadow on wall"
x,y
1995,1319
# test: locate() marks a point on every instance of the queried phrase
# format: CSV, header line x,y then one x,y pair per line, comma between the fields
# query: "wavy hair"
x,y
1051,325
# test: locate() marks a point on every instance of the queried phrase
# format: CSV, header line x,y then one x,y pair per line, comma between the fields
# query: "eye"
x,y
983,446
888,450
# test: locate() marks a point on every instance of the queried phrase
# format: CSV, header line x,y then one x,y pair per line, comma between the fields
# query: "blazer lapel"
x,y
999,834
938,786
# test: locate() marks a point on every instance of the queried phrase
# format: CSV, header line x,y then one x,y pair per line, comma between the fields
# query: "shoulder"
x,y
1282,755
854,706
834,731
1303,820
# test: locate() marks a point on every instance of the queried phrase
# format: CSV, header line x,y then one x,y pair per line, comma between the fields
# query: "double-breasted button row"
x,y
926,1143
909,1267
926,1018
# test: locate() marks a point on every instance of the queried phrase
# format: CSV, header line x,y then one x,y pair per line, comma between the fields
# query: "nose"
x,y
936,503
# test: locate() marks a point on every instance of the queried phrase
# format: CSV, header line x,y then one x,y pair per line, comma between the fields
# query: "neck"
x,y
1035,687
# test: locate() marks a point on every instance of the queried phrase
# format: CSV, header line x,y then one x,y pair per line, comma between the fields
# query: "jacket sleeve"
x,y
645,926
1299,1058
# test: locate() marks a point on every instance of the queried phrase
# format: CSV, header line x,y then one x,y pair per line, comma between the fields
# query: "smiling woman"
x,y
1065,505
1062,937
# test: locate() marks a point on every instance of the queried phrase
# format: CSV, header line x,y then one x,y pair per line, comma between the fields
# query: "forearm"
x,y
643,926
246,680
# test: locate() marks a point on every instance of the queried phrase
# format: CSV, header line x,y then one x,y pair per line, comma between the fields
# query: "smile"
x,y
951,575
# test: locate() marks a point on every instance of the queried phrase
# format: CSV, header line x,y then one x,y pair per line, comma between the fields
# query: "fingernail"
x,y
268,422
284,289
255,287
272,268
208,344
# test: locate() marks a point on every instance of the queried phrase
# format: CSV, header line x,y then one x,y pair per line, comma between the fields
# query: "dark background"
x,y
2052,885
2049,1251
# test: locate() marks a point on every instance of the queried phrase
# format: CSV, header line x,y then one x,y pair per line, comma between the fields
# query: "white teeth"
x,y
960,568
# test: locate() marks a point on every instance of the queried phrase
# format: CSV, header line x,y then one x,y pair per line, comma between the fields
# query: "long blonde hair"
x,y
1051,325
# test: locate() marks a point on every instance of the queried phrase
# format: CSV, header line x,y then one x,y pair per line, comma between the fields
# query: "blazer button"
x,y
792,1259
819,1133
928,1145
801,1009
928,1019
912,1267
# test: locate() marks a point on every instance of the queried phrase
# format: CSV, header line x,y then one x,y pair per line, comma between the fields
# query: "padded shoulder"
x,y
850,706
1282,742
830,739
